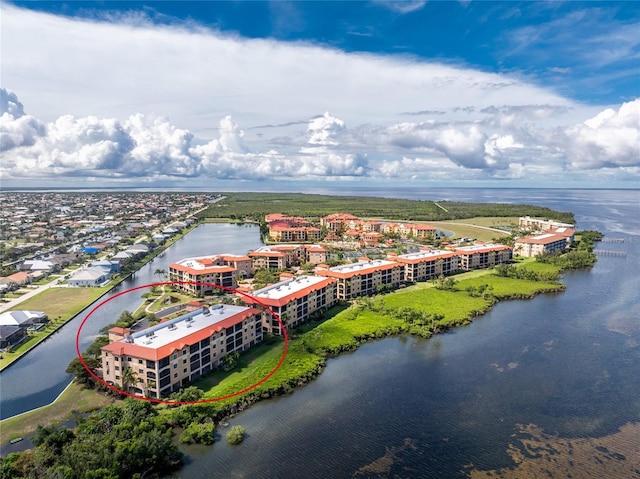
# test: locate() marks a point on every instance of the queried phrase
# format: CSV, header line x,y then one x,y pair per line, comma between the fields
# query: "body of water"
x,y
413,408
39,377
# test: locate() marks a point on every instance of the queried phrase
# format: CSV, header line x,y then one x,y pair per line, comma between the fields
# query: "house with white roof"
x,y
89,277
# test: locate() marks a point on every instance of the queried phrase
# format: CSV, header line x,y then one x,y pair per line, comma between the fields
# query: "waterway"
x,y
413,408
37,378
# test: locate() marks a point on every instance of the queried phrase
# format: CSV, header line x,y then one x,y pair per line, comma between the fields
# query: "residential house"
x,y
89,277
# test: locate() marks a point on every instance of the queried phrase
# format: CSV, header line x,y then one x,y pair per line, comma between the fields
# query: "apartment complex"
x,y
168,356
535,224
294,300
210,271
531,246
364,277
425,265
483,255
283,228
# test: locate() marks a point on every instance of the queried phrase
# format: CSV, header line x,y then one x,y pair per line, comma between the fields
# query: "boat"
x,y
17,439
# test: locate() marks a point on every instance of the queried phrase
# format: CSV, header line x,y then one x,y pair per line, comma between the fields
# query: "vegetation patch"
x,y
253,206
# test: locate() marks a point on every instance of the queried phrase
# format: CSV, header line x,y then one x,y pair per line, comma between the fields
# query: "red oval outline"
x,y
166,401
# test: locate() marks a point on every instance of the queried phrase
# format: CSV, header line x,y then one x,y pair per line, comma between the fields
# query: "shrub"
x,y
235,435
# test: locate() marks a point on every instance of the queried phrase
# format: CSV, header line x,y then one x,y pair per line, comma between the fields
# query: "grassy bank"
x,y
75,399
421,310
60,305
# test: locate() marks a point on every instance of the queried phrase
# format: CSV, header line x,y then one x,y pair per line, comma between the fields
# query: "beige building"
x,y
293,300
425,265
537,224
364,277
166,357
531,246
483,255
209,272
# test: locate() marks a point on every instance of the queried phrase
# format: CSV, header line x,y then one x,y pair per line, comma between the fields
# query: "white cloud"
x,y
99,97
610,139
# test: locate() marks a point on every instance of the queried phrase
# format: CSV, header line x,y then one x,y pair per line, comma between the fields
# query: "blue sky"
x,y
429,93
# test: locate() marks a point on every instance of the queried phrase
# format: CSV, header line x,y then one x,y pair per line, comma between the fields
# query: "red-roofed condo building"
x,y
531,246
293,300
425,265
483,255
221,270
167,356
364,277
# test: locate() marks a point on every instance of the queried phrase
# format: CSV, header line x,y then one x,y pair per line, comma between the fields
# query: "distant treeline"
x,y
253,206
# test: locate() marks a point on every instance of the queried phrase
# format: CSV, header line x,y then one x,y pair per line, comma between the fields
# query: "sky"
x,y
390,93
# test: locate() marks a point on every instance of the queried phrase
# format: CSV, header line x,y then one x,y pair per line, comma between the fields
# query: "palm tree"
x,y
128,379
160,273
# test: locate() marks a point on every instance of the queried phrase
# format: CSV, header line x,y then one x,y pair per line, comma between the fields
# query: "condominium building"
x,y
483,255
293,300
425,265
337,222
364,277
315,253
166,357
536,224
209,272
531,246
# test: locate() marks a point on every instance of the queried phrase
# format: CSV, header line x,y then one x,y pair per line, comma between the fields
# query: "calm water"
x,y
39,377
567,362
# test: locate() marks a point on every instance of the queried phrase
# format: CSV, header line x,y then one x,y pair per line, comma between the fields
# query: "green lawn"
x,y
60,305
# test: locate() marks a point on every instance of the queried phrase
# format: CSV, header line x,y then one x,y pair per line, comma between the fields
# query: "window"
x,y
129,358
117,368
175,366
139,361
184,370
184,361
117,377
175,356
175,375
116,359
140,371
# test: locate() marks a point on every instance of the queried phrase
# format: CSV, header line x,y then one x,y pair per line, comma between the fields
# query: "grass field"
x,y
74,399
63,302
60,305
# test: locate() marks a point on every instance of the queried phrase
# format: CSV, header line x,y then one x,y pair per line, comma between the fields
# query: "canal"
x,y
39,377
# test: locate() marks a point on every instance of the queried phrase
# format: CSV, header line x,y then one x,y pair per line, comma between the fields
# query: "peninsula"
x,y
438,286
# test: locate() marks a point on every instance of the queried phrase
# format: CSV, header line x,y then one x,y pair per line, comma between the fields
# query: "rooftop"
x,y
165,333
288,287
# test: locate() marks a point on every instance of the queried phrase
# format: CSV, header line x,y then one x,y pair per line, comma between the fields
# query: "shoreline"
x,y
310,360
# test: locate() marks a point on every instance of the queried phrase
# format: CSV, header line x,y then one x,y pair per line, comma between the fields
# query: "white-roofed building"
x,y
90,277
169,355
364,277
531,246
294,300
